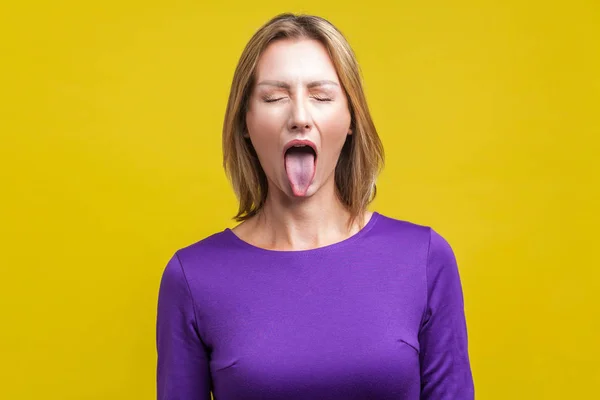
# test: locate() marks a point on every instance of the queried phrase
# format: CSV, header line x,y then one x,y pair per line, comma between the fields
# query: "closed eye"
x,y
273,99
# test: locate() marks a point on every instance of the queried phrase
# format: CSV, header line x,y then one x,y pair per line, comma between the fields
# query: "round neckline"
x,y
349,240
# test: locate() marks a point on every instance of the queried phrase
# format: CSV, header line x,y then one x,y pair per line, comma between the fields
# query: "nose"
x,y
300,120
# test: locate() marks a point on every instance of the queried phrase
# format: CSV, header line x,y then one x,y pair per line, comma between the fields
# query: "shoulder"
x,y
395,225
199,265
395,229
214,244
430,250
413,234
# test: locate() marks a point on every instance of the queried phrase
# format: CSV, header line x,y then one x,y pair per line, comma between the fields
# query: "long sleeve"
x,y
445,367
182,366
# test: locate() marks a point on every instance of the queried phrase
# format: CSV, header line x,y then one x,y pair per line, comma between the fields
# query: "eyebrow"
x,y
310,85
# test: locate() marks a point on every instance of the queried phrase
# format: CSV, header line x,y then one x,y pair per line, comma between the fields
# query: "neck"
x,y
286,223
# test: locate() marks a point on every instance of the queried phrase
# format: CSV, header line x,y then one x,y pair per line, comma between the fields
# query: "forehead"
x,y
295,61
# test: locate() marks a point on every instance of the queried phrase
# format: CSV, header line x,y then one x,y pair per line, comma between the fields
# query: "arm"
x,y
182,367
445,368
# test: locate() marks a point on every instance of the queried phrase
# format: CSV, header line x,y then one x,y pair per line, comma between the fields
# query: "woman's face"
x,y
297,101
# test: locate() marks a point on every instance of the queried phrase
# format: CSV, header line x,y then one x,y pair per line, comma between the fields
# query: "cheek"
x,y
262,120
264,132
335,127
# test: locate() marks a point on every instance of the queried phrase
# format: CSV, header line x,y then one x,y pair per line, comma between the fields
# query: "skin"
x,y
297,95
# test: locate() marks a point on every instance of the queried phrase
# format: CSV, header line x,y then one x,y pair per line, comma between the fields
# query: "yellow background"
x,y
110,157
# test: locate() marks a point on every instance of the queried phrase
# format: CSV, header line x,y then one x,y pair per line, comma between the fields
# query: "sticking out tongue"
x,y
300,168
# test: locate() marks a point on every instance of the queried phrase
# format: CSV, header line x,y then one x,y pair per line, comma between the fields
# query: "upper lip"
x,y
300,142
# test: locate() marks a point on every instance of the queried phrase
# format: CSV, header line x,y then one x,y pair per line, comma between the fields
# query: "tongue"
x,y
300,168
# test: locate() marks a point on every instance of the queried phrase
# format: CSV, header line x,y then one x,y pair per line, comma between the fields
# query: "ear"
x,y
245,134
349,131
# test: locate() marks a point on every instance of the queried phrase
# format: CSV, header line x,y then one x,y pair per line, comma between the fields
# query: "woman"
x,y
311,296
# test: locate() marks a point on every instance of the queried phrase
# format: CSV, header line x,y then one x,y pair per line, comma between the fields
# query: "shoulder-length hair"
x,y
362,155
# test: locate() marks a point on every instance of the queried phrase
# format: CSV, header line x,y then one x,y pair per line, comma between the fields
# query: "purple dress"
x,y
377,316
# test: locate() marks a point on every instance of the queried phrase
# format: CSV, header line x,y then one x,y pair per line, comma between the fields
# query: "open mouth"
x,y
302,149
300,165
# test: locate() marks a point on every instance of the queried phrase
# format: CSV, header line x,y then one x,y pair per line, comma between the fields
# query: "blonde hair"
x,y
362,156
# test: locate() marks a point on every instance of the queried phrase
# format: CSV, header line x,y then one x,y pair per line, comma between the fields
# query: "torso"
x,y
339,322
